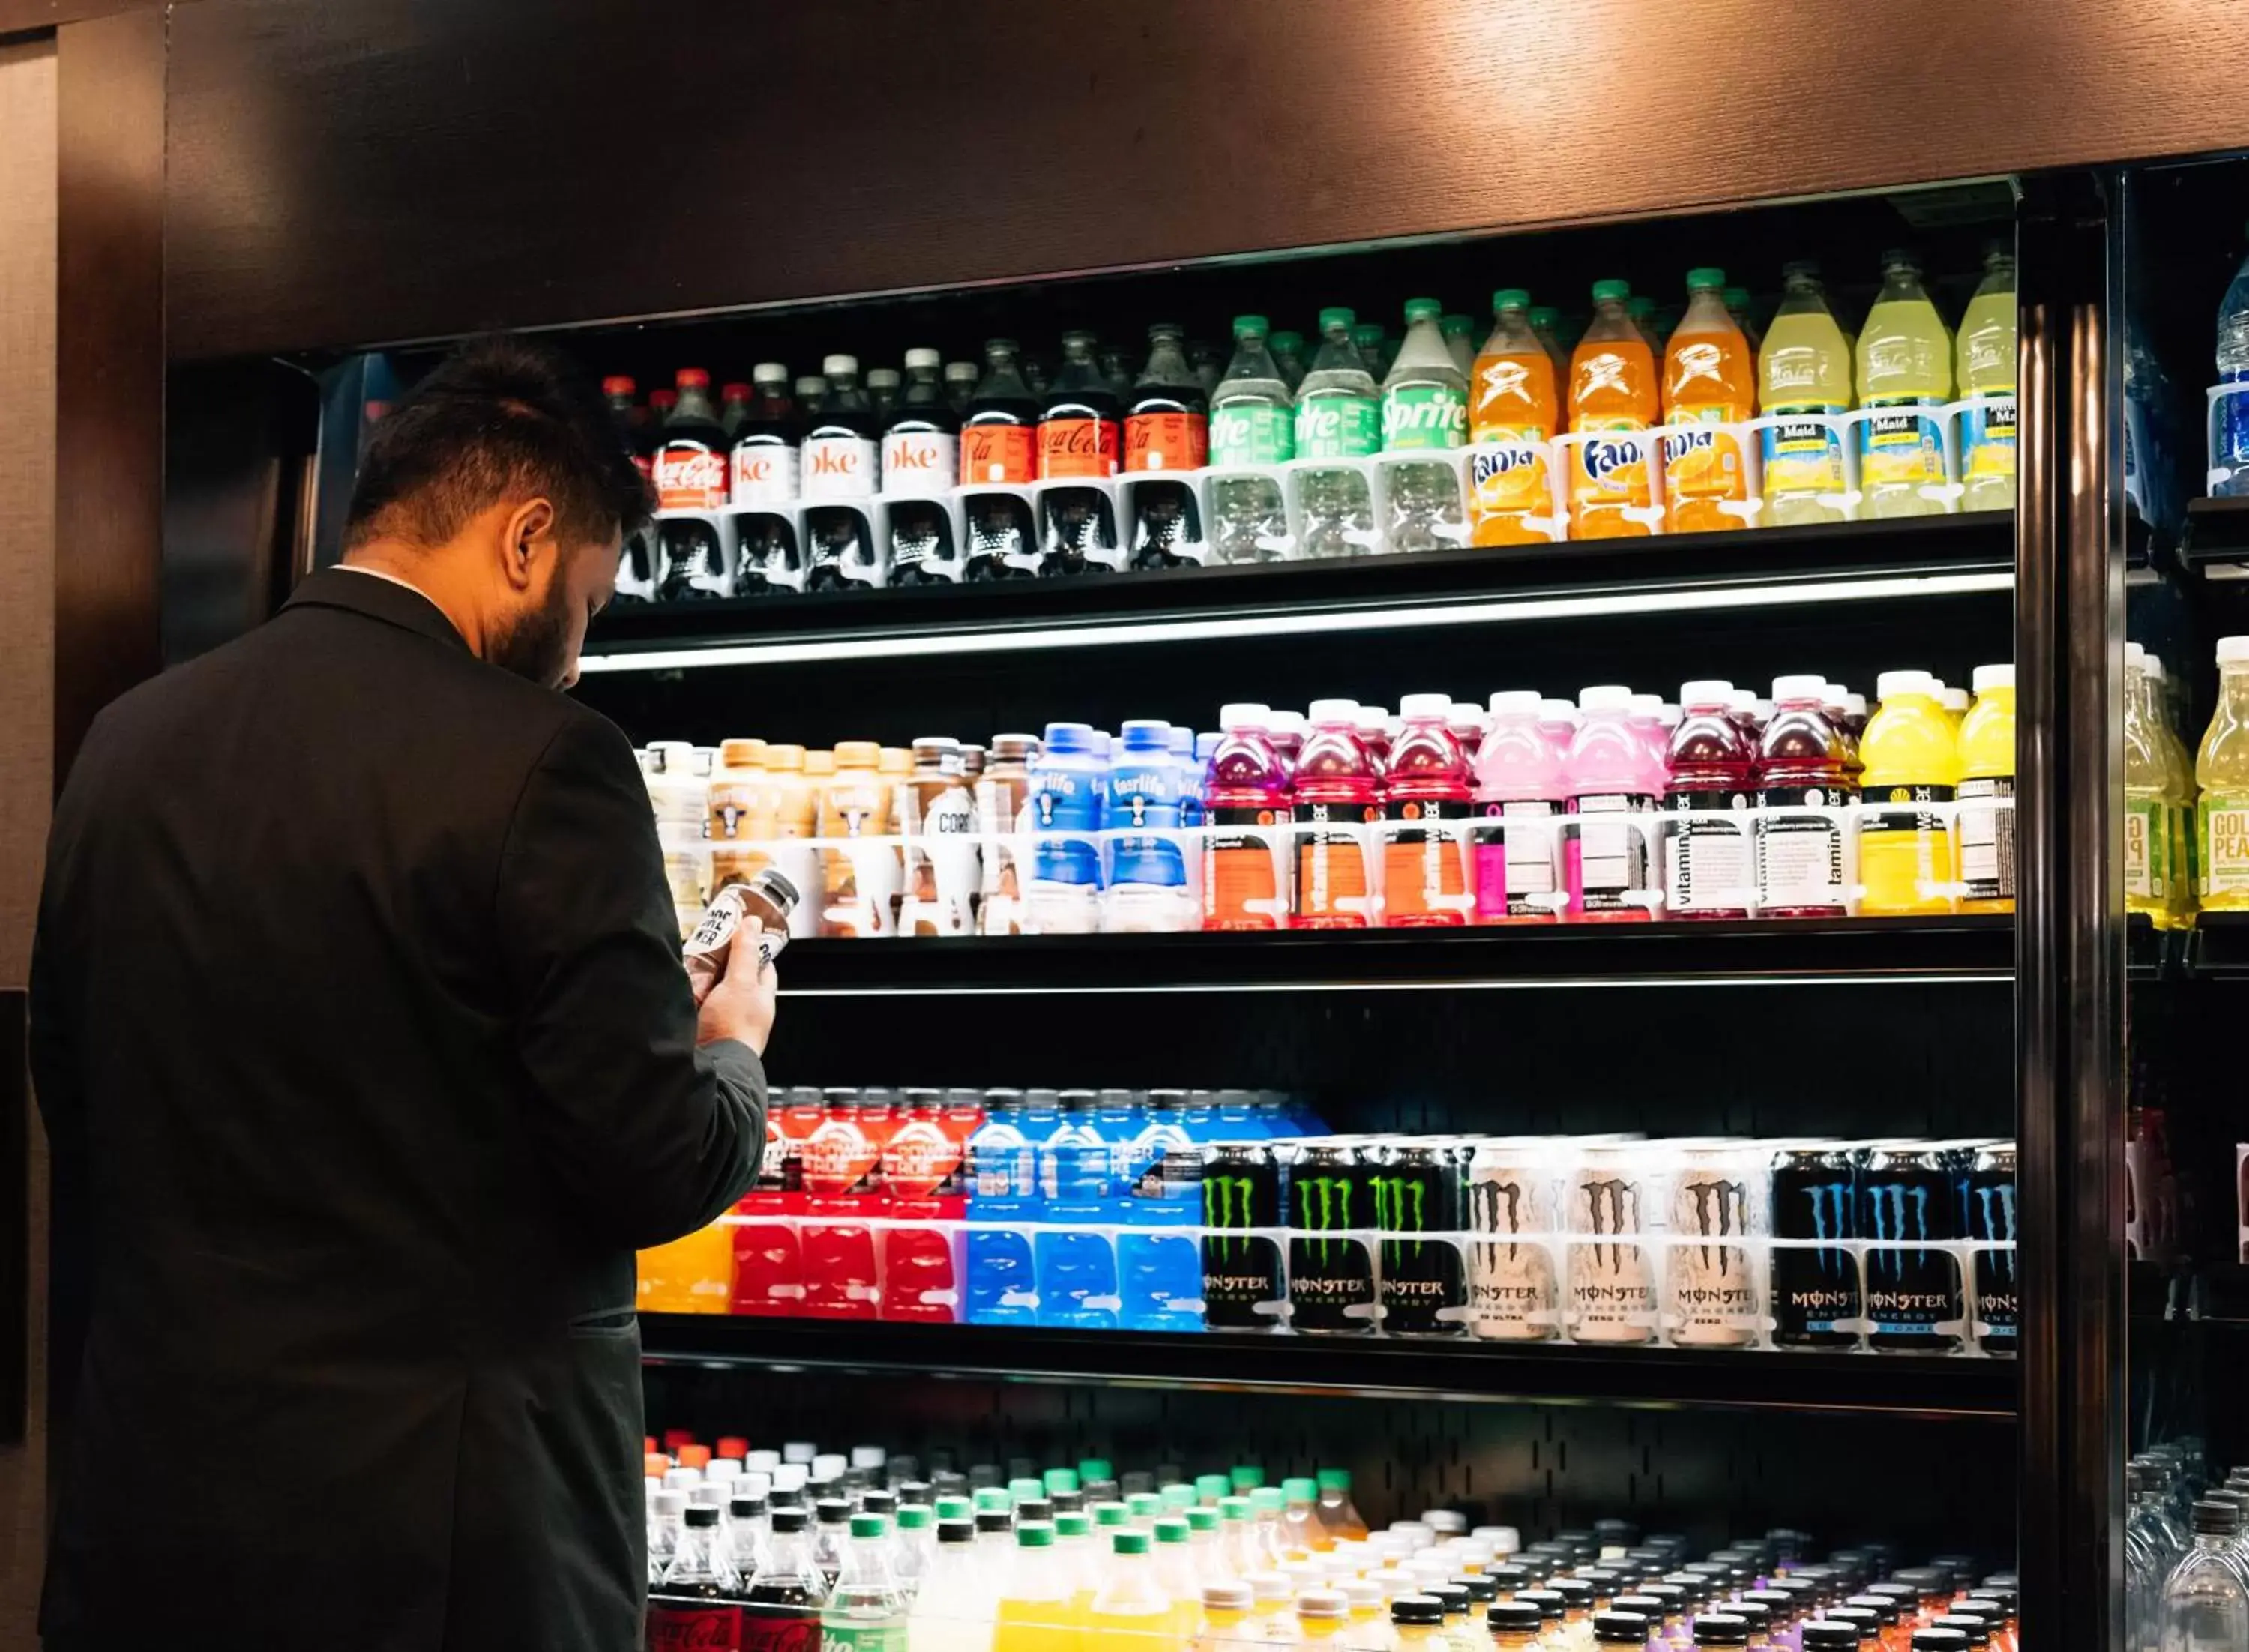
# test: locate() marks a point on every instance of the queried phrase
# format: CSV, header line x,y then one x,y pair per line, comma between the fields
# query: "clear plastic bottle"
x,y
788,1588
1425,408
952,1611
1130,1613
1804,376
1337,1512
2205,1600
1985,367
1252,424
2230,440
1905,374
1033,1611
2221,773
1338,417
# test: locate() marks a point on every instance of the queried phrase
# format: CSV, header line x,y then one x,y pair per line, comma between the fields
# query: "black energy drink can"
x,y
1330,1258
1988,1217
1906,1210
1816,1296
1420,1189
1244,1277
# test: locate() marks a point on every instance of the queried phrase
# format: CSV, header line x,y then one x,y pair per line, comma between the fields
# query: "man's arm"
x,y
649,1136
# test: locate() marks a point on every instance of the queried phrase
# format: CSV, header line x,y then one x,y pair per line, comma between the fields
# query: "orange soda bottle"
x,y
1612,388
1511,417
1710,378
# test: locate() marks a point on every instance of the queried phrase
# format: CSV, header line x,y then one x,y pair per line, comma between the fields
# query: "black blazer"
x,y
357,1003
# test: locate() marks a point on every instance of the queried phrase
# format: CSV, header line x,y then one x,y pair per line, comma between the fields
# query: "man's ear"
x,y
522,531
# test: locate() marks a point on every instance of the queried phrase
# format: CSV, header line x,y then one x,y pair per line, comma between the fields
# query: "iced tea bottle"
x,y
2221,773
1425,854
1336,799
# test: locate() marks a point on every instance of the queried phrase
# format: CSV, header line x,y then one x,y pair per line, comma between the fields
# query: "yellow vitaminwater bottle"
x,y
1912,760
1986,368
1987,793
1804,379
2221,774
1905,374
2153,873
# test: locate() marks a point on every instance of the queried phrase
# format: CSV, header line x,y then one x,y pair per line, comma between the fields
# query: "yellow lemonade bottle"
x,y
1368,1630
1176,1573
1905,374
1987,793
1130,1613
1226,1617
1986,368
2178,765
1912,760
1804,377
1273,1619
1078,1556
2221,774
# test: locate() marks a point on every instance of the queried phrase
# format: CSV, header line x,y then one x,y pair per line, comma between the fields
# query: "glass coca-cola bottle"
x,y
1078,440
1166,430
999,444
689,473
921,461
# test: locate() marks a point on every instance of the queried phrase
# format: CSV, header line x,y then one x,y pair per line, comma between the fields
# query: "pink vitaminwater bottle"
x,y
1613,780
1245,800
1425,856
1647,719
1335,800
1806,853
1519,797
1709,864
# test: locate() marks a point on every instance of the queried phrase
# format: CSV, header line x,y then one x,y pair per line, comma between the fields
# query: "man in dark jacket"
x,y
359,1017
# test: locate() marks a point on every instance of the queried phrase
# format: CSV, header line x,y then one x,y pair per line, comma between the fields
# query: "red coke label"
x,y
919,462
780,1629
689,477
674,1627
1167,442
999,453
1077,448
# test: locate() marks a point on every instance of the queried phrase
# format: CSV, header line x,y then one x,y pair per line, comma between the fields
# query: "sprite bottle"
x,y
1425,409
1339,416
1252,425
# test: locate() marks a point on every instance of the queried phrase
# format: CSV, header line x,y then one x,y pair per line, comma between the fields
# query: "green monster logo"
x,y
1323,1207
1229,1202
1401,1206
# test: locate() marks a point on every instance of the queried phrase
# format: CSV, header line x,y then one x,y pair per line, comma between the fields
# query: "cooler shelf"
x,y
1799,950
1934,556
1900,1384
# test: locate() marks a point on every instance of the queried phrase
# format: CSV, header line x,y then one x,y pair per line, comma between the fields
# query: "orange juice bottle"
x,y
1612,389
1710,378
1511,418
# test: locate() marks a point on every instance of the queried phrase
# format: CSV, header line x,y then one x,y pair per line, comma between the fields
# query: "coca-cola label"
x,y
680,1627
1167,442
768,1628
689,477
919,462
1077,448
838,467
765,473
999,453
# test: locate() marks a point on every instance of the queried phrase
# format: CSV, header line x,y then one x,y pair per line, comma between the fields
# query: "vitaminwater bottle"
x,y
1912,759
1033,1611
1245,800
1613,786
1709,869
1512,409
1425,791
1251,424
1425,409
1987,793
1336,801
1612,394
1805,861
1710,380
2153,805
1130,1612
1803,379
1338,417
1519,795
1986,369
2221,774
1166,429
1905,374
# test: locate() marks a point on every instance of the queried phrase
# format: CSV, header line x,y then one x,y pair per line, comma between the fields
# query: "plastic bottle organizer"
x,y
959,883
1648,1289
1109,541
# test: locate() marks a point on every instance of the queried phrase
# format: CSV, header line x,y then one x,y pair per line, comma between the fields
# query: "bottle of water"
x,y
1251,422
2230,439
1339,416
1425,408
2206,1604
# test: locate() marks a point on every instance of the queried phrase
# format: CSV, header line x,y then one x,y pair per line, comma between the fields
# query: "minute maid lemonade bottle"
x,y
1612,388
2221,771
1987,368
1803,378
1912,759
1512,414
1905,372
1708,378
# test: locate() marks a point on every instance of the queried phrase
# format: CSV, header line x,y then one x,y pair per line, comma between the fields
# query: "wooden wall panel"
x,y
354,171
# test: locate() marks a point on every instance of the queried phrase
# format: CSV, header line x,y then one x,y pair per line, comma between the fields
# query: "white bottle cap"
x,y
1452,1522
1763,709
721,1471
1414,1532
1245,714
1323,1603
1669,714
1891,684
1326,711
922,356
1855,704
1646,705
829,1466
790,1476
1953,699
1438,706
769,372
1464,712
2153,665
669,1506
798,1452
1516,702
762,1462
1505,1540
1362,1593
1372,719
833,365
2134,654
2233,648
1605,697
870,1457
710,1497
1706,691
1799,687
1988,677
754,1482
681,1479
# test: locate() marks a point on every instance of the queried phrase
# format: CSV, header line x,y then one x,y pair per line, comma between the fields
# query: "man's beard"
x,y
536,643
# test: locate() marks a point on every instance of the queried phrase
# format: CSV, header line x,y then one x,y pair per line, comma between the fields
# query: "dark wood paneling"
x,y
109,365
349,171
15,1235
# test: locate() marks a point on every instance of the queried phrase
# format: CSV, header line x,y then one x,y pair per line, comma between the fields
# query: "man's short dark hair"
x,y
499,419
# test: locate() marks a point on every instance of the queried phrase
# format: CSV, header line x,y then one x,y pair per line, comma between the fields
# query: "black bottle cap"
x,y
1417,1608
1620,1628
1521,1616
1827,1635
788,1520
702,1514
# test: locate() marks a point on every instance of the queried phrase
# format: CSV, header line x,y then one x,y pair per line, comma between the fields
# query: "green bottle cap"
x,y
1455,322
1610,291
1337,315
1034,1534
916,1516
1071,1524
1248,1477
1024,1490
1110,1514
1269,1500
869,1525
1061,1479
1335,1480
1202,1520
1288,341
1128,1542
1545,315
1706,280
1367,335
1244,327
1299,1490
1235,1508
1737,297
993,1500
1171,1528
1179,1495
1211,1487
1144,1505
1094,1469
1510,299
954,1508
1423,309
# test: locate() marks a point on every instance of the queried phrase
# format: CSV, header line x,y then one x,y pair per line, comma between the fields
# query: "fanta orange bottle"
x,y
1612,389
1710,378
1511,417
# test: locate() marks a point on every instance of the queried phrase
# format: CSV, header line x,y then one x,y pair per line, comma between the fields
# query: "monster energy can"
x,y
1418,1189
1988,1189
1612,1287
1711,1292
1244,1286
1816,1299
1906,1210
1330,1260
1511,1283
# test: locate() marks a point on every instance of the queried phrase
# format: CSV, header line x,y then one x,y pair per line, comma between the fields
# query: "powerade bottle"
x,y
1338,417
1199,1116
1337,802
1146,885
1117,1115
1002,1190
1237,1117
1077,1265
1065,815
1245,803
1252,424
1166,429
999,444
1159,1259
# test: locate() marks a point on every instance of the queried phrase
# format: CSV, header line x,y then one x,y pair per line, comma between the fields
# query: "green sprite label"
x,y
1250,432
2225,839
2146,849
1424,415
867,1635
1338,426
